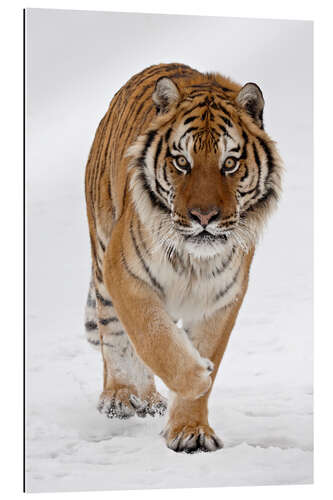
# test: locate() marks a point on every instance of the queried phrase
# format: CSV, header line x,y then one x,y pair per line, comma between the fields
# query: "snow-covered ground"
x,y
261,405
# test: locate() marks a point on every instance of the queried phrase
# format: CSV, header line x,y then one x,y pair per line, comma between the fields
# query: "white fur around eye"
x,y
185,169
180,169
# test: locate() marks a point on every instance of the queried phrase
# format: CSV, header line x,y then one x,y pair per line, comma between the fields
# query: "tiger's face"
x,y
207,172
208,165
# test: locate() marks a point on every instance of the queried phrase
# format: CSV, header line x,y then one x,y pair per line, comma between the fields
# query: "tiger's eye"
x,y
181,161
230,165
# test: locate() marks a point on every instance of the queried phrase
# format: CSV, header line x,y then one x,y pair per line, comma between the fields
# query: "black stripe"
x,y
224,130
114,124
129,118
117,333
90,301
244,153
157,154
174,145
195,94
182,224
190,110
214,132
221,96
257,160
134,120
219,270
187,132
227,288
141,238
94,342
271,193
165,175
244,193
129,270
102,300
256,156
225,111
245,174
90,325
204,115
153,280
155,201
99,275
150,137
167,135
199,105
270,162
102,244
226,121
106,321
160,189
177,262
201,85
190,119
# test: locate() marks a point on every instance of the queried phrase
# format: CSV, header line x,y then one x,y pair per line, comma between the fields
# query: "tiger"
x,y
180,180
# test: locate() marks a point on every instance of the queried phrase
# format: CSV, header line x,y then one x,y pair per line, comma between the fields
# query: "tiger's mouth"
x,y
205,237
205,244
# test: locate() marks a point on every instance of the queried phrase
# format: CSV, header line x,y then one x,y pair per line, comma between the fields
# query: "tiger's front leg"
x,y
128,386
188,429
163,347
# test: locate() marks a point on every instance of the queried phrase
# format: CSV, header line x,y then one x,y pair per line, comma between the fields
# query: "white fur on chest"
x,y
211,285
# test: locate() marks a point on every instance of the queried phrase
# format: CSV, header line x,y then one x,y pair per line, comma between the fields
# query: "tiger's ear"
x,y
165,94
251,99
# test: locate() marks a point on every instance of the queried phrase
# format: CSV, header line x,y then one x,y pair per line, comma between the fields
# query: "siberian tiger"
x,y
180,179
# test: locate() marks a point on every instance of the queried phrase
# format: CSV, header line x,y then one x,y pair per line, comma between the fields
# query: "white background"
x,y
262,401
14,113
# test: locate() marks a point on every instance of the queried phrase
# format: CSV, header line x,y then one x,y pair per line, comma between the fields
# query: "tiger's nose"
x,y
204,216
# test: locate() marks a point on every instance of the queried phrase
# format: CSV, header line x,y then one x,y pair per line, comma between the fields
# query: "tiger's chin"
x,y
205,247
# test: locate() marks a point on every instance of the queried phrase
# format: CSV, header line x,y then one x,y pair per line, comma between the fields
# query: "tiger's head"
x,y
206,168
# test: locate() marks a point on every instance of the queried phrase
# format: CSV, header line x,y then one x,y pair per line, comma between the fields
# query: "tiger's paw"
x,y
123,404
153,404
192,438
197,381
116,404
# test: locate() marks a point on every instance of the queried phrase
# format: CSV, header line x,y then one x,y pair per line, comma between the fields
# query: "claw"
x,y
193,440
209,365
141,407
135,401
175,442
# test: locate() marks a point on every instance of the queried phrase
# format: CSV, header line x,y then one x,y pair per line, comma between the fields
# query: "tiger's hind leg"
x,y
91,320
129,386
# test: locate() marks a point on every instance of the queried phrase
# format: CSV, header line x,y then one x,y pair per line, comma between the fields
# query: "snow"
x,y
261,404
